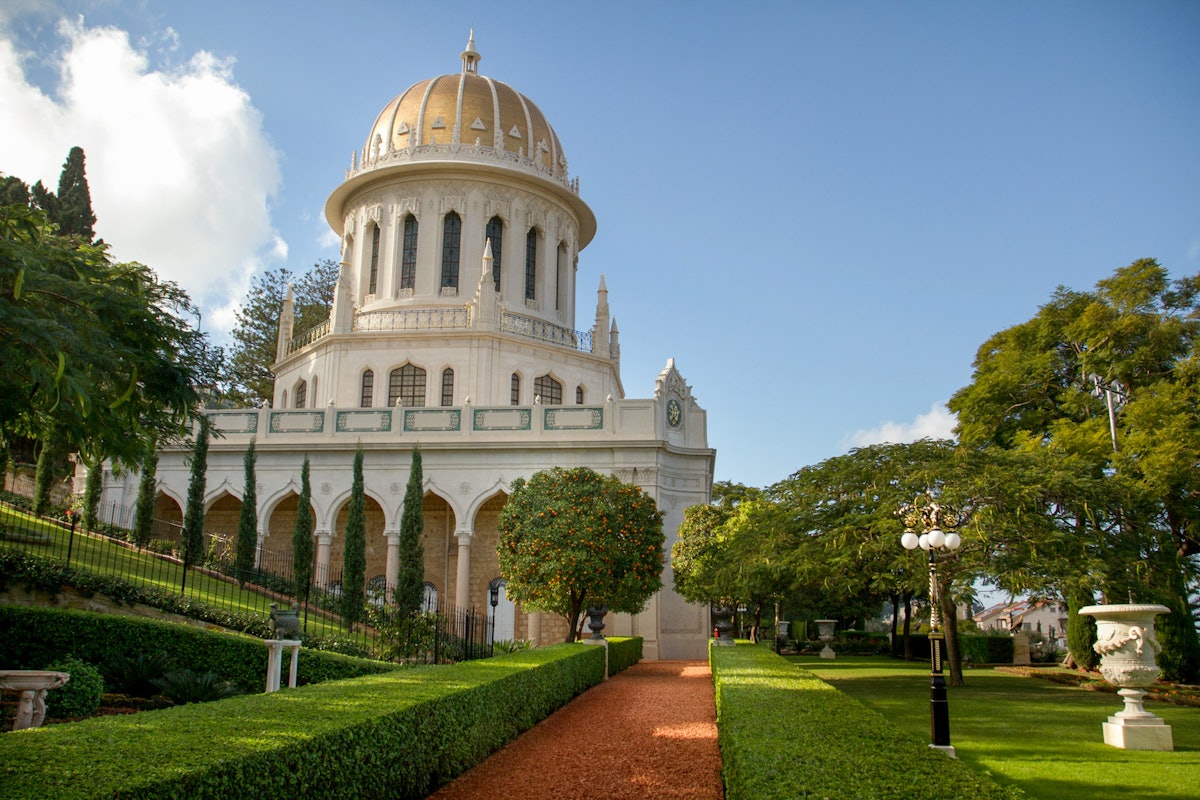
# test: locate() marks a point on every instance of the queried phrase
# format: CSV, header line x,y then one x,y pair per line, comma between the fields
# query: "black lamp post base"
x,y
948,749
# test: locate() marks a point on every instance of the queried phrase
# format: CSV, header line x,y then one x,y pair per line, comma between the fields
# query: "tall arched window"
x,y
373,278
549,390
407,385
560,276
300,393
531,264
579,395
408,262
514,390
447,387
367,395
495,232
451,240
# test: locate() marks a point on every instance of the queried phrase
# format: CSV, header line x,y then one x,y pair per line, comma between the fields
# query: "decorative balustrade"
x,y
308,337
464,152
543,331
413,319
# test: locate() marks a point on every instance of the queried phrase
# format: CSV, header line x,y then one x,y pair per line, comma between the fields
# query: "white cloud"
x,y
180,169
937,424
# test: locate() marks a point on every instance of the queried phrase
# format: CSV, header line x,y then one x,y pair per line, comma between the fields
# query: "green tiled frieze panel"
x,y
574,418
433,420
235,422
363,421
297,421
502,419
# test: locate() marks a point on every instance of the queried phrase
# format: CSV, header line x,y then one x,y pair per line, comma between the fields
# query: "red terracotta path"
x,y
648,732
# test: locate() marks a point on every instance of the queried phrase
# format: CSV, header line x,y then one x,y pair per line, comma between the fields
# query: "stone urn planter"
x,y
1127,646
825,629
596,621
723,623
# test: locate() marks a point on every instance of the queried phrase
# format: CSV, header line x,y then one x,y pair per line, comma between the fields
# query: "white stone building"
x,y
454,328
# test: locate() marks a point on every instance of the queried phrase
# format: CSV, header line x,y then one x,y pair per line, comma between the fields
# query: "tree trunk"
x,y
907,626
950,623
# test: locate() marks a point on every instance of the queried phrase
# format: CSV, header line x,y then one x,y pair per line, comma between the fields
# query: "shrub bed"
x,y
396,735
35,637
785,734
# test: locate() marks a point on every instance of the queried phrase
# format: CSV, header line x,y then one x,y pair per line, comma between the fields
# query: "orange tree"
x,y
570,538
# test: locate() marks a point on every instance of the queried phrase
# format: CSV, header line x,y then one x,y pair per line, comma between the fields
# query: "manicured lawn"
x,y
1042,737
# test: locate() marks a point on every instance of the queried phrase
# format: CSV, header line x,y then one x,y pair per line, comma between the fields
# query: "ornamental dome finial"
x,y
470,56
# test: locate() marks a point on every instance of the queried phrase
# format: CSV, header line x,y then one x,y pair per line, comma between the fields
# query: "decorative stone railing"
x,y
476,153
534,328
308,337
413,319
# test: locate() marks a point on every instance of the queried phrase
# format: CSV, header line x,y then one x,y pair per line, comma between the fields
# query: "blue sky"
x,y
819,210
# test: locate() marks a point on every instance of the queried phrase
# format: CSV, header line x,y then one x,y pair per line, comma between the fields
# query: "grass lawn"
x,y
1040,736
101,555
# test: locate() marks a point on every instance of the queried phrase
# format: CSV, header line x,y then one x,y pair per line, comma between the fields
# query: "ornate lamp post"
x,y
929,517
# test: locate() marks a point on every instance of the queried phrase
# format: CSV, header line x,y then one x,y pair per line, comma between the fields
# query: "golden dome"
x,y
465,112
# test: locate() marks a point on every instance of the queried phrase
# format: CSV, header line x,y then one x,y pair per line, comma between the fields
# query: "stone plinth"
x,y
275,662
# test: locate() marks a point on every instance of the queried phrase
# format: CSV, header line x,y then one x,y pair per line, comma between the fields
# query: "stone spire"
x,y
287,321
342,318
600,341
483,311
470,56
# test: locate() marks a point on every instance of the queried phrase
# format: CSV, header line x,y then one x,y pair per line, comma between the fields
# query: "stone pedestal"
x,y
275,662
33,685
1021,650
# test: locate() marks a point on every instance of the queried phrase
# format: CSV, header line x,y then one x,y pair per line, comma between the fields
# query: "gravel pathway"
x,y
648,732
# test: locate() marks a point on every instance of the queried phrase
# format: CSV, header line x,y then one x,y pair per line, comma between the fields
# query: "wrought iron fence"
x,y
243,598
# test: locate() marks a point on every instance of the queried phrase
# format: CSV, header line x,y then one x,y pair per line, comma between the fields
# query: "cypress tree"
x,y
91,494
302,537
47,470
75,217
247,535
409,593
193,517
354,558
13,191
142,527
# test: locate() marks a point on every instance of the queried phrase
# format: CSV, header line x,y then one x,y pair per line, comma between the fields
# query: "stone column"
x,y
535,628
462,589
392,571
324,539
258,549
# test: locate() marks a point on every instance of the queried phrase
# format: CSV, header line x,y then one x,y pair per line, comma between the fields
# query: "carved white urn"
x,y
1127,646
825,634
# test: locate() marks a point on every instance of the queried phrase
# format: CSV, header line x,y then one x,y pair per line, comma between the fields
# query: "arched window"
x,y
495,232
407,385
447,387
451,239
579,395
367,395
408,262
373,278
514,392
560,276
300,393
430,604
531,264
549,390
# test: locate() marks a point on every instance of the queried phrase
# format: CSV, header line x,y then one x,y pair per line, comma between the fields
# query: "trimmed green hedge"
x,y
34,637
784,734
982,649
397,735
623,653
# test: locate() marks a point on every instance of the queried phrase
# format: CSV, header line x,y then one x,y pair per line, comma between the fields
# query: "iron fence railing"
x,y
446,633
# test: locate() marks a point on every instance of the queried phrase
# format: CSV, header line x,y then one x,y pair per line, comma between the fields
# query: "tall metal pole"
x,y
939,706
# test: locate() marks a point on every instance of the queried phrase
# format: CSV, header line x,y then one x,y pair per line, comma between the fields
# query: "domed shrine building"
x,y
454,329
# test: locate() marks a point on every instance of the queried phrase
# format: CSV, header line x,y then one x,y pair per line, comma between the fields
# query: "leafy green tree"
x,y
302,537
91,494
410,582
1107,380
75,217
100,353
354,556
247,535
13,191
256,333
193,515
143,526
570,538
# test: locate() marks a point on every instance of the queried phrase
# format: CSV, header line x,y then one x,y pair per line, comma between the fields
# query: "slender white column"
x,y
324,539
392,571
462,591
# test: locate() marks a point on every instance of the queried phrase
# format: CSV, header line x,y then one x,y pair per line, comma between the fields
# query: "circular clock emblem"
x,y
674,413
